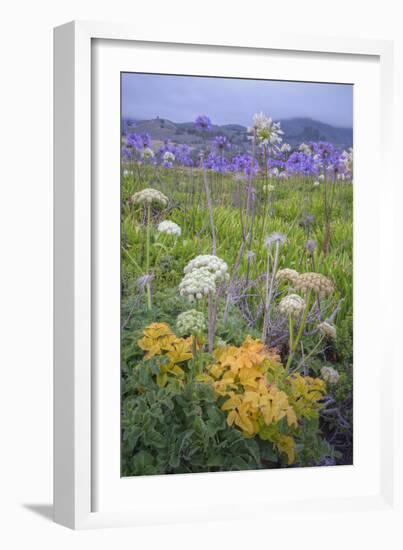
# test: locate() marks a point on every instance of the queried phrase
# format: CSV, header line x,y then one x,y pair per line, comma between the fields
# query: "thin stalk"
x,y
148,286
194,353
304,359
299,334
210,208
269,293
211,323
291,330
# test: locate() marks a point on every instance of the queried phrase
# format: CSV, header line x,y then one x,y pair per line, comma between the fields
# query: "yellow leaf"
x,y
286,445
231,417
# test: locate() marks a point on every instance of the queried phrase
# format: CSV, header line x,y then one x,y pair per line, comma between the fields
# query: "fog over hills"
x,y
296,131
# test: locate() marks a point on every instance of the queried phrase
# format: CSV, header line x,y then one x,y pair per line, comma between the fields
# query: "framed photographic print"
x,y
218,224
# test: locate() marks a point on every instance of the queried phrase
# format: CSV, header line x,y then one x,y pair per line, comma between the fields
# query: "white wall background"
x,y
26,266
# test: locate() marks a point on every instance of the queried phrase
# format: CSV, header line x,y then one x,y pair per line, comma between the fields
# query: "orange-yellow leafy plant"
x,y
258,394
159,340
305,394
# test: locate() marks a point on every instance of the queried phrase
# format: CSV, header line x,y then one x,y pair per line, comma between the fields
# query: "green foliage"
x,y
178,430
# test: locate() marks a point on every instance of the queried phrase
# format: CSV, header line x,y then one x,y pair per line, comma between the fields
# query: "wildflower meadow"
x,y
236,300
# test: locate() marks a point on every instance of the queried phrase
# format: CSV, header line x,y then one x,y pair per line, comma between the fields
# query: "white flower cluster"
x,y
285,148
170,228
267,188
197,284
150,196
347,159
267,132
330,375
328,330
292,305
169,157
201,275
215,265
147,153
305,148
190,322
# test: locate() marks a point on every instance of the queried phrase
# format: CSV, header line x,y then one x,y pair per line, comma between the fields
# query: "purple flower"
x,y
221,143
246,164
203,123
138,141
303,164
126,153
218,163
183,155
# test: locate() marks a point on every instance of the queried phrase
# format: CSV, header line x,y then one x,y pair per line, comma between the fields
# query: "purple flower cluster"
x,y
203,123
221,144
302,164
181,153
138,141
313,159
218,163
246,164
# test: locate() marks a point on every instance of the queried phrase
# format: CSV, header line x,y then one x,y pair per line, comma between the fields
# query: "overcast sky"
x,y
230,100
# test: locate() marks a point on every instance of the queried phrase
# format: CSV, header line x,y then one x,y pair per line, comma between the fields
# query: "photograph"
x,y
236,262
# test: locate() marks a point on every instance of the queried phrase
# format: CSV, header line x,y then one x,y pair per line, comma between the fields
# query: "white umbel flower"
x,y
215,265
292,305
316,183
170,228
197,284
285,148
329,375
190,322
149,196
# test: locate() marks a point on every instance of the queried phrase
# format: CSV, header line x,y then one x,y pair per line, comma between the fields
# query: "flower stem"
x,y
148,287
269,291
210,208
304,359
194,353
299,334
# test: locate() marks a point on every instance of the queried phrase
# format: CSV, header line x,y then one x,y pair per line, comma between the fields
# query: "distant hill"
x,y
296,131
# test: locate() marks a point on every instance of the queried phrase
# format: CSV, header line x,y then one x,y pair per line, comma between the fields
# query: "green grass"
x,y
287,206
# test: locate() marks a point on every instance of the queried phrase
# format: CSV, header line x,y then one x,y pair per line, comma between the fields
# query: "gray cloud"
x,y
227,100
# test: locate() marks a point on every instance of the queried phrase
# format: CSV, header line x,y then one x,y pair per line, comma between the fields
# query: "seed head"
x,y
275,238
316,282
286,274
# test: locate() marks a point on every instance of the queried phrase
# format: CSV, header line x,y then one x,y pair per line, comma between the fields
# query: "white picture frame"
x,y
78,422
